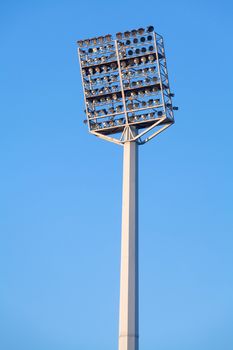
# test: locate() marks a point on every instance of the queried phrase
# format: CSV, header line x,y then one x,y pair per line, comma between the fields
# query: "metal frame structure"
x,y
128,102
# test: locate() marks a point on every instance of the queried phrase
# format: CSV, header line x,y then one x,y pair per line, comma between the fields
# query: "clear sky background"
x,y
60,187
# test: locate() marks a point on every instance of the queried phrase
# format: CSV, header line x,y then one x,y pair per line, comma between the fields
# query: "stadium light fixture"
x,y
127,101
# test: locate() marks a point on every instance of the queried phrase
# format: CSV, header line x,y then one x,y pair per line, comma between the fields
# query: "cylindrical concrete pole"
x,y
128,320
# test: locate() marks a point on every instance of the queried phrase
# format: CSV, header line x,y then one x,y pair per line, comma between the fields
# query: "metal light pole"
x,y
128,102
128,320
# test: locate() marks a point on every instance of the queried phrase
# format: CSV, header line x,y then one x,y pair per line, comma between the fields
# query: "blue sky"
x,y
60,187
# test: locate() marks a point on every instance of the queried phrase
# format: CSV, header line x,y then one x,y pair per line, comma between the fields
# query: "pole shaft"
x,y
128,320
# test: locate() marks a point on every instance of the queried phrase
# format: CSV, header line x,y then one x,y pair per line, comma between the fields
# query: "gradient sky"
x,y
60,187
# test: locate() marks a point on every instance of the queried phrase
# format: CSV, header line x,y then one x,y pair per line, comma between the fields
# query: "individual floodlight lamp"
x,y
127,101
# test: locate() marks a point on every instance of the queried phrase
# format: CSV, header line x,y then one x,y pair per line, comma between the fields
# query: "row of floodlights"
x,y
108,38
117,97
100,69
105,112
140,83
136,118
140,51
127,85
121,121
98,60
102,91
150,103
140,93
125,75
110,47
111,57
99,49
94,41
103,80
111,123
134,32
144,71
124,64
134,41
130,106
116,88
138,61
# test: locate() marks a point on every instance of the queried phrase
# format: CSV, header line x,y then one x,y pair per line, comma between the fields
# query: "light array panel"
x,y
125,82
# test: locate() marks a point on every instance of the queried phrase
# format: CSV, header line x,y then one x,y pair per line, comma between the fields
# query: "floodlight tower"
x,y
128,102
